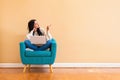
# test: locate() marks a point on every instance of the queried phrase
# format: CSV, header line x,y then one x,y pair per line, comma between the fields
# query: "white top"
x,y
47,34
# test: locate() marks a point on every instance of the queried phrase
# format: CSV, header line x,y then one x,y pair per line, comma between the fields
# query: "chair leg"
x,y
51,70
28,67
24,68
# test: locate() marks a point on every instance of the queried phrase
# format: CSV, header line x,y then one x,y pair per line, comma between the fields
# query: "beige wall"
x,y
85,30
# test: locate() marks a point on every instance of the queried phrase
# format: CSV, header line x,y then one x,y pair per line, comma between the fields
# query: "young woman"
x,y
36,30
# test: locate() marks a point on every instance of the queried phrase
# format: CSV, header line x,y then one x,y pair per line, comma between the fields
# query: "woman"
x,y
35,30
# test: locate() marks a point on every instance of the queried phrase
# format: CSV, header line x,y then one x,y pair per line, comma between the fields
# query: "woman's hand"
x,y
34,29
48,27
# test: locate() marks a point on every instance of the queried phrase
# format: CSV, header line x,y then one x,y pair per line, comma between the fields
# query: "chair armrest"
x,y
22,49
53,47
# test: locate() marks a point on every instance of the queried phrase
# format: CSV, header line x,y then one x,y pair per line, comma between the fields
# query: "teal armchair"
x,y
29,57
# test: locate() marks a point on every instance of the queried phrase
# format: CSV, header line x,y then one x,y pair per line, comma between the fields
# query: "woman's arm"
x,y
47,31
30,34
47,34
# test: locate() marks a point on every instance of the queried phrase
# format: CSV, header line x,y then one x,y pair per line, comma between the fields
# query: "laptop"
x,y
38,39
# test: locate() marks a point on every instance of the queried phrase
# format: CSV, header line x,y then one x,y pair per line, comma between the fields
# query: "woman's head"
x,y
32,24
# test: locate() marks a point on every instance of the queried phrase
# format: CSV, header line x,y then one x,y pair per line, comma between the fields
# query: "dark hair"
x,y
31,26
39,32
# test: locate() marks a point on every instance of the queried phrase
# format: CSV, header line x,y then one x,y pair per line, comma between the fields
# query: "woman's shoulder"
x,y
42,29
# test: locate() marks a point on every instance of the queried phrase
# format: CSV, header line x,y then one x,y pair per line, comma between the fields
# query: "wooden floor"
x,y
61,74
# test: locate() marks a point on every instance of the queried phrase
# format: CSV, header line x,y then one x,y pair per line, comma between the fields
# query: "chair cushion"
x,y
28,49
29,53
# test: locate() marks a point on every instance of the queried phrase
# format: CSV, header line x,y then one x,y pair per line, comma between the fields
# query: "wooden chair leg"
x,y
28,67
51,70
24,68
